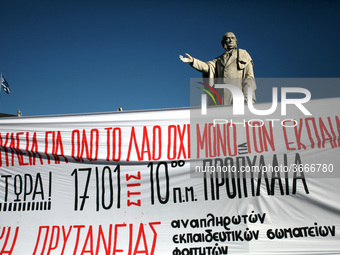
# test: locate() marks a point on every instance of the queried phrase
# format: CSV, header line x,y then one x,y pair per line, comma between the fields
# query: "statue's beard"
x,y
226,47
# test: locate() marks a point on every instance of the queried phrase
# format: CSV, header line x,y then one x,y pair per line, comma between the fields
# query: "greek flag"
x,y
5,85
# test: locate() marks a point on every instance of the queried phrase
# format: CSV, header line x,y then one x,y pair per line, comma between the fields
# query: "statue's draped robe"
x,y
233,67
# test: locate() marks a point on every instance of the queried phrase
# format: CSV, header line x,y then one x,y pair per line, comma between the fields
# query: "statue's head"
x,y
229,41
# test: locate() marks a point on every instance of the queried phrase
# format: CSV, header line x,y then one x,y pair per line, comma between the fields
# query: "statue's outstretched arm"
x,y
195,63
188,59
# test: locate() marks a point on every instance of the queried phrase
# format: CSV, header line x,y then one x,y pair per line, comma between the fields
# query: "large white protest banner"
x,y
168,182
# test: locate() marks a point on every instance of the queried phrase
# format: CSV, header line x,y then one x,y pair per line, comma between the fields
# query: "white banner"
x,y
133,183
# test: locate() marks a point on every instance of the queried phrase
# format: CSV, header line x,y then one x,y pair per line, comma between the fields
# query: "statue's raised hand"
x,y
188,59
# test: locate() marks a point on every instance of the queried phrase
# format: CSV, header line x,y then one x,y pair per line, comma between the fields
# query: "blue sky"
x,y
63,57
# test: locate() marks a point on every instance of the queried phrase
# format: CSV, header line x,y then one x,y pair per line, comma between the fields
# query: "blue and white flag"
x,y
5,85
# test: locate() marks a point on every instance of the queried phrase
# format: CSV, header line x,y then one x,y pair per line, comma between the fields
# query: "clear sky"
x,y
62,57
